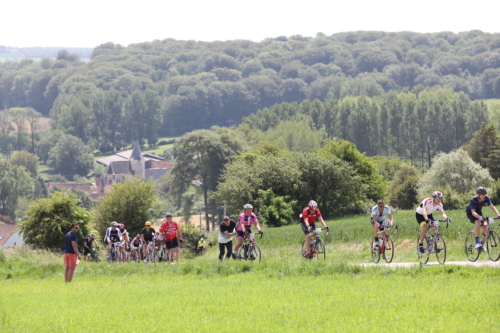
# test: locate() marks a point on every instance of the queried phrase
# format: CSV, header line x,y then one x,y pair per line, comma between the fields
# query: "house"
x,y
6,231
127,164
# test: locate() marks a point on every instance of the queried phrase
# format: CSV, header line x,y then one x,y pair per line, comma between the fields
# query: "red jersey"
x,y
311,217
170,229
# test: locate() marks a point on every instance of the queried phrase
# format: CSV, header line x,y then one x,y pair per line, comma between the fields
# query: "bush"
x,y
404,187
275,211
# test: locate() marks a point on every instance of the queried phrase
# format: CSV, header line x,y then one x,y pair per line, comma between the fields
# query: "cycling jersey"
x,y
311,217
114,235
201,244
88,241
429,204
474,204
170,229
148,235
137,242
246,221
381,216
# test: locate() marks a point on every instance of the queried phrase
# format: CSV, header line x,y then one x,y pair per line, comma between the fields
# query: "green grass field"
x,y
284,293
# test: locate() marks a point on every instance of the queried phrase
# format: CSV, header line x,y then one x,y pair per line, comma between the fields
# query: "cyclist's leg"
x,y
239,238
376,226
307,245
477,229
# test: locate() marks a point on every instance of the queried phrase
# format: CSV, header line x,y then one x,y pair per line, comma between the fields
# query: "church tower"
x,y
137,162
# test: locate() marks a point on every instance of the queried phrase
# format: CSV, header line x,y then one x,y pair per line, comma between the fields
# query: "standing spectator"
x,y
71,254
227,231
173,237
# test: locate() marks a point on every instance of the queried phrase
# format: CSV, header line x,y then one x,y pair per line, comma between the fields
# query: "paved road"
x,y
459,263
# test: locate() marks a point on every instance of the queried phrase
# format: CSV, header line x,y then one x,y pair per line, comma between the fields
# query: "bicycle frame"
x,y
383,232
432,244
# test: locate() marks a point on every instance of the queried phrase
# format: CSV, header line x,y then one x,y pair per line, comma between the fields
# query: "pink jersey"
x,y
246,221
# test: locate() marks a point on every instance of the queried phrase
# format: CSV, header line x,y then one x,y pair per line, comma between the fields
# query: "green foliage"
x,y
456,171
275,211
387,166
404,194
48,221
15,182
85,200
70,156
484,149
129,202
27,160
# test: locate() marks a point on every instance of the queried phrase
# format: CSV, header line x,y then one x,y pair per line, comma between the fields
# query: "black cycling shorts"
x,y
304,228
86,251
420,218
172,243
472,218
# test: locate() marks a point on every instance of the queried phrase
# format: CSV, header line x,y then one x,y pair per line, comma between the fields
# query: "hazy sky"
x,y
93,22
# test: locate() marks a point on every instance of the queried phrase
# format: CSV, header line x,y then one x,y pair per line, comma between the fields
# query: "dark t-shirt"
x,y
229,228
70,237
148,235
474,204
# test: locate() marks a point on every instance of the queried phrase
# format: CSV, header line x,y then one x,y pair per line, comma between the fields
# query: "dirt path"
x,y
459,263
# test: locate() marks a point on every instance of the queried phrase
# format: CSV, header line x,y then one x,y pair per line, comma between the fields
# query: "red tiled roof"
x,y
5,231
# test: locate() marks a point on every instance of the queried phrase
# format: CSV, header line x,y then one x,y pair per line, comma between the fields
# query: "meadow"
x,y
284,293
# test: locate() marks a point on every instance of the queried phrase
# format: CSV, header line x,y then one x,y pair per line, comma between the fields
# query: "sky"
x,y
89,23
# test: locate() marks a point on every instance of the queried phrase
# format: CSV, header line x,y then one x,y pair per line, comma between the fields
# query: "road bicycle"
x,y
250,250
95,254
150,253
491,239
317,246
160,252
386,247
116,255
433,244
135,253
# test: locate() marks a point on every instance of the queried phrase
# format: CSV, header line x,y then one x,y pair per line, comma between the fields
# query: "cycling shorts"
x,y
304,228
241,234
472,218
421,219
86,251
172,243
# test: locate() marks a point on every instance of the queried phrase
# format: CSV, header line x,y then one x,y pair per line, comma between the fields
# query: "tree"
x,y
32,116
456,171
27,160
18,116
5,129
275,211
48,221
201,154
484,148
70,156
404,194
15,182
129,203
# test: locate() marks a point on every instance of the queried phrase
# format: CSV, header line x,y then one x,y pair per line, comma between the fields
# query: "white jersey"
x,y
429,205
381,217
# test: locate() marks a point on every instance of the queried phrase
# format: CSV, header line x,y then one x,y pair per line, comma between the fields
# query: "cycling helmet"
x,y
437,195
481,190
91,235
148,223
312,204
168,215
122,225
115,224
248,206
201,239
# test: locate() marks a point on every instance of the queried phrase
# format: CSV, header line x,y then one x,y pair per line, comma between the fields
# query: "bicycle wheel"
x,y
320,249
389,249
470,251
254,253
423,257
374,251
493,245
303,250
241,253
440,248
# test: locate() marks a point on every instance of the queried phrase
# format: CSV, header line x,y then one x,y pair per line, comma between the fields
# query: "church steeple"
x,y
136,152
137,161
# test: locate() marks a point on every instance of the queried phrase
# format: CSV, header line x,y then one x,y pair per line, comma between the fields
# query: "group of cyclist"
x,y
170,234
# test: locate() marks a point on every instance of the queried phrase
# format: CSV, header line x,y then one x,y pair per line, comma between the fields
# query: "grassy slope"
x,y
283,293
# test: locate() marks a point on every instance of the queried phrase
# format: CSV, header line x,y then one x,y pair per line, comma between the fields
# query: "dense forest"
x,y
201,84
16,53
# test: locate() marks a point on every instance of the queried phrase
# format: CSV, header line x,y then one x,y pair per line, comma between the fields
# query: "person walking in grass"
x,y
227,230
71,253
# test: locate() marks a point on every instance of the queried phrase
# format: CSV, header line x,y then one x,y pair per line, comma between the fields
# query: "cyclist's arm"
x,y
257,225
374,219
494,209
85,244
476,215
179,234
320,218
391,218
443,214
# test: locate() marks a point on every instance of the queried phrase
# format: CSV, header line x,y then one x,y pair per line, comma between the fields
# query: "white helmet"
x,y
248,206
312,204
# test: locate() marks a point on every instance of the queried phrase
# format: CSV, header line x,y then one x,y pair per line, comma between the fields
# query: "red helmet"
x,y
312,204
122,225
437,195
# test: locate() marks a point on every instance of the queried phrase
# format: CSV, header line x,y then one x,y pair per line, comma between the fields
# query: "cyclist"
x,y
126,240
148,235
136,244
474,212
380,212
87,246
244,226
173,237
201,245
424,215
158,244
113,235
308,223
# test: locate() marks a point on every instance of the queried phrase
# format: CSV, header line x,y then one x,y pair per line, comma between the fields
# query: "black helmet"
x,y
481,190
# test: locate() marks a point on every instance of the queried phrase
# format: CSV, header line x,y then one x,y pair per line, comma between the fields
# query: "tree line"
x,y
201,84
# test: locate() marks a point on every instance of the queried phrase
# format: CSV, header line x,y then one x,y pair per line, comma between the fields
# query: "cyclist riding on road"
x,y
380,212
424,215
308,223
126,240
148,235
113,235
474,212
244,226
